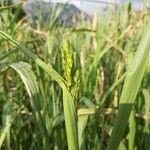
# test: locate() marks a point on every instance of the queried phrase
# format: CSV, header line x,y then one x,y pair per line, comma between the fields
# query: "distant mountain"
x,y
67,15
71,16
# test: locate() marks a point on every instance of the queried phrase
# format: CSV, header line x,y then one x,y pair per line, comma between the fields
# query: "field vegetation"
x,y
85,87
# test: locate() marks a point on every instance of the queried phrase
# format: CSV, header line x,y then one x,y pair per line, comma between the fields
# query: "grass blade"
x,y
69,110
132,83
29,80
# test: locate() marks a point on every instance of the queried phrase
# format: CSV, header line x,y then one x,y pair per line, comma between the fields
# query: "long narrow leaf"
x,y
132,83
29,80
69,111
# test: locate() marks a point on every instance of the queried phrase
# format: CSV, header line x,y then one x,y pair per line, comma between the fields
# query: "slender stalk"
x,y
131,86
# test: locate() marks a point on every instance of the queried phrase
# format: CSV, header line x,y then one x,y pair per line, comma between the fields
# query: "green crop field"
x,y
80,88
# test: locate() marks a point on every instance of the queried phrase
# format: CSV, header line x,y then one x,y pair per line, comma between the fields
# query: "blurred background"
x,y
90,44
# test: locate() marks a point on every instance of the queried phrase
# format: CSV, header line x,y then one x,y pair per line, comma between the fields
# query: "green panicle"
x,y
71,72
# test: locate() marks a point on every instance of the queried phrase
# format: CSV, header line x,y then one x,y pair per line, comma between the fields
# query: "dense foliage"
x,y
62,87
